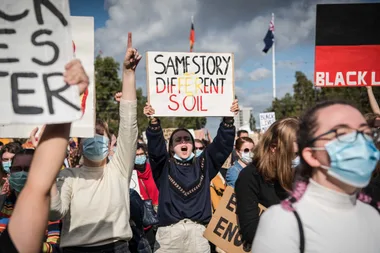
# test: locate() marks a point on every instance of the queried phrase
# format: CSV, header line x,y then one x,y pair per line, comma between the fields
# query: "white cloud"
x,y
259,74
220,25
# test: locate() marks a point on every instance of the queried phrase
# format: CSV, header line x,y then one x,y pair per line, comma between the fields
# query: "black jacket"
x,y
251,189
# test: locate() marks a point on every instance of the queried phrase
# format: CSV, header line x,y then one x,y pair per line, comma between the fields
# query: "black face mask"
x,y
140,167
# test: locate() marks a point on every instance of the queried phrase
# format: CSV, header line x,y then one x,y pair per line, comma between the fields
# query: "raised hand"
x,y
148,110
132,57
75,75
235,107
118,96
34,138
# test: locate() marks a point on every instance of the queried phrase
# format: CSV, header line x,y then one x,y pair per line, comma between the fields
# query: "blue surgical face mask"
x,y
140,159
184,160
352,162
246,157
7,166
295,162
198,152
17,180
96,149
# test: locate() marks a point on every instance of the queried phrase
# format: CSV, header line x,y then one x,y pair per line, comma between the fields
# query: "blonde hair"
x,y
276,165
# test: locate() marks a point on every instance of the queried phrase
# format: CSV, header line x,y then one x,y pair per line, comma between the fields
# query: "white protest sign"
x,y
82,29
266,120
134,184
190,84
35,45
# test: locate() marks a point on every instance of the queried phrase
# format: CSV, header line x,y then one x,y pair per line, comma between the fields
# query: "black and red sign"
x,y
347,45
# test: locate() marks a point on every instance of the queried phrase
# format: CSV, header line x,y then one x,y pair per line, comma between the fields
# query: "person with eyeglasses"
x,y
243,147
323,213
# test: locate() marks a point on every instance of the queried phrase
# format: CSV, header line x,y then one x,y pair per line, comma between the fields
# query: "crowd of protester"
x,y
317,176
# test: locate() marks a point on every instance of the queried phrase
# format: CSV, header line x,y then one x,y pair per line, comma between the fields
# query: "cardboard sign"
x,y
223,230
35,45
266,120
347,45
82,46
190,84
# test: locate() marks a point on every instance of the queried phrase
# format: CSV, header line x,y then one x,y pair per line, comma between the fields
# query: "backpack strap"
x,y
300,228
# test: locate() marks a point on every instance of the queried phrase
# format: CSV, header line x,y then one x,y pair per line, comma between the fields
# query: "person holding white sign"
x,y
184,182
93,201
27,228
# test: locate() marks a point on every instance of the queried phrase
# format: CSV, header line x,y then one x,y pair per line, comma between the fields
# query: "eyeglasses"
x,y
341,132
199,148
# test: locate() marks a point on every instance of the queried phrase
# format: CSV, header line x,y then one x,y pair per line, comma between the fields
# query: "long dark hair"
x,y
171,148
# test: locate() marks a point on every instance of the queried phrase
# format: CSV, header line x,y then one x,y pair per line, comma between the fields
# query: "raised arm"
x,y
372,100
26,235
157,151
222,145
124,157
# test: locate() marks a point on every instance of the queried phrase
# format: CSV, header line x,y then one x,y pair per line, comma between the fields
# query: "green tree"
x,y
107,83
305,95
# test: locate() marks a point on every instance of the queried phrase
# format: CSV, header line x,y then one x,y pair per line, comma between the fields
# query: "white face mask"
x,y
246,157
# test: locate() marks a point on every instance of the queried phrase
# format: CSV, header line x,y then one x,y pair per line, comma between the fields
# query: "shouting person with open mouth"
x,y
183,180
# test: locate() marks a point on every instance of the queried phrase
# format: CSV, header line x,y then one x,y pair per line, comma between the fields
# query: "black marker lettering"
x,y
230,231
48,43
227,61
219,226
171,65
17,108
158,62
5,46
55,93
231,205
196,63
210,69
13,18
51,7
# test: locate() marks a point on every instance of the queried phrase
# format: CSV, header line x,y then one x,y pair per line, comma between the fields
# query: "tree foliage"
x,y
305,95
108,84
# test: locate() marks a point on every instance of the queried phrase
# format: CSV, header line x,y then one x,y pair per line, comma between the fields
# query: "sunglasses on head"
x,y
246,150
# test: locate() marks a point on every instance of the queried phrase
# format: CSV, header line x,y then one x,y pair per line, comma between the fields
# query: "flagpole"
x,y
274,62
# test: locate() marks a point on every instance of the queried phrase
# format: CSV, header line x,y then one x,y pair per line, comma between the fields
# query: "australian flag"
x,y
269,37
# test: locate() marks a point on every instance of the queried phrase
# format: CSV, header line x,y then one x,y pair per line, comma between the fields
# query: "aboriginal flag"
x,y
347,42
192,36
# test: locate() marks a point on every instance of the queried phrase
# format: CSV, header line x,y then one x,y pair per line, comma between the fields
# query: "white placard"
x,y
134,184
266,120
36,45
190,84
83,39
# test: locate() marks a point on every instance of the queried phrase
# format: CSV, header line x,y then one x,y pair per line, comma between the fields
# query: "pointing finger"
x,y
129,40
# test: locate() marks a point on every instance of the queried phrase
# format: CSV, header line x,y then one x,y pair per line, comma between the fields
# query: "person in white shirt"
x,y
323,214
93,201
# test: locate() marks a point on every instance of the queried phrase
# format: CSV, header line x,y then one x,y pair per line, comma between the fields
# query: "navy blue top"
x,y
185,186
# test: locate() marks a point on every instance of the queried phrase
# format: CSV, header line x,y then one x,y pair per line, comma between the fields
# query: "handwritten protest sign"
x,y
82,46
134,183
223,229
266,120
35,45
190,84
347,49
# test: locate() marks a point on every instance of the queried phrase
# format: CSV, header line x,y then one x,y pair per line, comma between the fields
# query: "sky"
x,y
222,26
